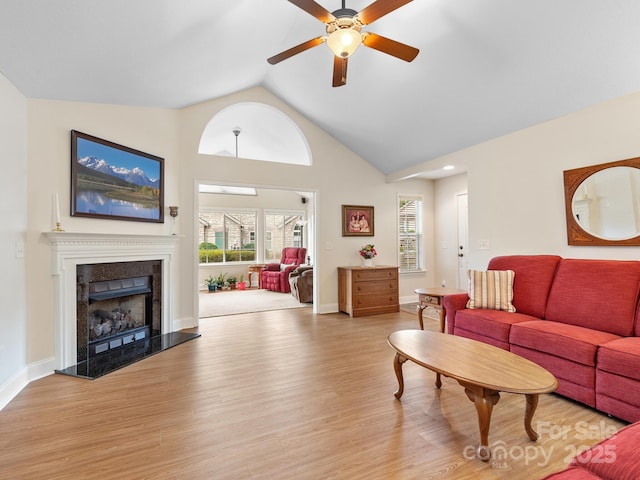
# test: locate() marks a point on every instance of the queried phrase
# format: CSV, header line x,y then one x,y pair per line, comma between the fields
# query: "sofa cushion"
x,y
461,332
575,380
621,357
596,294
492,289
617,396
614,458
577,344
490,323
622,389
532,282
572,473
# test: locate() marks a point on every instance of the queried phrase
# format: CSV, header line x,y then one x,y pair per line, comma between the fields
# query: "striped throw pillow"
x,y
492,289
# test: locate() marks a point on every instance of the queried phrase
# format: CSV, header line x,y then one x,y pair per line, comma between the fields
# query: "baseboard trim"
x,y
182,323
33,371
13,387
328,308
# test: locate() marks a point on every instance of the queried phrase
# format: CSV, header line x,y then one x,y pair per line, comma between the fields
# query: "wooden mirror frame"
x,y
576,235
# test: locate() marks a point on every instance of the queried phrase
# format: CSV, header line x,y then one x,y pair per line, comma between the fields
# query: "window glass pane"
x,y
410,234
226,236
281,230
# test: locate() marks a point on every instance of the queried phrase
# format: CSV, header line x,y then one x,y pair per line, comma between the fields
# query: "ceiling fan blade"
x,y
339,71
391,47
314,9
378,9
295,50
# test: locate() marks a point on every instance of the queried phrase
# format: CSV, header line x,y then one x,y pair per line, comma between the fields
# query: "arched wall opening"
x,y
263,133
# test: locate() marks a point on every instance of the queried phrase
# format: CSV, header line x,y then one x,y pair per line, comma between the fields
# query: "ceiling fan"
x,y
344,34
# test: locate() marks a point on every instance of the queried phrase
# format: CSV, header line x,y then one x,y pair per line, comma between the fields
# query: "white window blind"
x,y
410,255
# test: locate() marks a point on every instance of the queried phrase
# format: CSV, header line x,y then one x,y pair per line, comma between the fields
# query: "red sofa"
x,y
614,458
576,318
275,276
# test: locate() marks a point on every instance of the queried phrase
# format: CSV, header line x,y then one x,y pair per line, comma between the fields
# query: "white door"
x,y
463,240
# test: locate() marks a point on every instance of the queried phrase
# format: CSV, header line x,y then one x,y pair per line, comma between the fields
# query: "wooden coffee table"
x,y
483,370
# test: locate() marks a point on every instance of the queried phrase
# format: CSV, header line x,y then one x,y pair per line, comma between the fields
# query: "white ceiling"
x,y
486,67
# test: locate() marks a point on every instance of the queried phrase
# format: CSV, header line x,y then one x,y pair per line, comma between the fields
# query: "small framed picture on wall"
x,y
357,221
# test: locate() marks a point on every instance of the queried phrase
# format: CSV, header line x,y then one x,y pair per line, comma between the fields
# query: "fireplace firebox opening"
x,y
118,304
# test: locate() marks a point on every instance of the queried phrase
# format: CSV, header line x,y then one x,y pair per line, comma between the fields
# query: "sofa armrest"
x,y
301,271
453,303
272,267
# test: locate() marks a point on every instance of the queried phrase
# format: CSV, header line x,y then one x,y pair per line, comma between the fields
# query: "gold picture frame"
x,y
357,221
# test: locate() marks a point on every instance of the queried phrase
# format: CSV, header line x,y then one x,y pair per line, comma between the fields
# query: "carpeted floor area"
x,y
231,302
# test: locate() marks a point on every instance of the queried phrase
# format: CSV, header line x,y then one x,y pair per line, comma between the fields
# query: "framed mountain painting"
x,y
115,182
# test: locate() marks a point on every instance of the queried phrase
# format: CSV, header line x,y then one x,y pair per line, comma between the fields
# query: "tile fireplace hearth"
x,y
98,365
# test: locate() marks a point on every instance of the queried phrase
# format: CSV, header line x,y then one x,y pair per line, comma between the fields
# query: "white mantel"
x,y
72,249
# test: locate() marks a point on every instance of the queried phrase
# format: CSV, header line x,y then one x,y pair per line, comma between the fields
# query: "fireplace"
x,y
82,262
117,304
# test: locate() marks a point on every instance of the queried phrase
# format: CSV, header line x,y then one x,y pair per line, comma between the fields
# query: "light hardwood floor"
x,y
280,395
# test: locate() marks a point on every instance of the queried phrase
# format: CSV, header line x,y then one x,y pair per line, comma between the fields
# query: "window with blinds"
x,y
410,255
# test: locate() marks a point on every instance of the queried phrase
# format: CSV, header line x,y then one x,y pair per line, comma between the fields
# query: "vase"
x,y
368,262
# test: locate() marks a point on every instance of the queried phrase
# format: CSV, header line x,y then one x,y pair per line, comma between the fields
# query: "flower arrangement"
x,y
368,251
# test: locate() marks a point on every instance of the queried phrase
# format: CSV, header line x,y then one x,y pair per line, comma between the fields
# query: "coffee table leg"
x,y
397,366
532,404
484,400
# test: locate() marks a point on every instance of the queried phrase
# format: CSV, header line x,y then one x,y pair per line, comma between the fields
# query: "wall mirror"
x,y
602,203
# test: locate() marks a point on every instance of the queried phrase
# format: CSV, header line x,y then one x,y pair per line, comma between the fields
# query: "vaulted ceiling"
x,y
485,68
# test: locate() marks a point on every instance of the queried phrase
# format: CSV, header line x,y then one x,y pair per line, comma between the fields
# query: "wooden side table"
x,y
432,297
256,268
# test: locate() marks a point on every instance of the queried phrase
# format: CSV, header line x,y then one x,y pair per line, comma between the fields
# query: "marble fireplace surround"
x,y
72,249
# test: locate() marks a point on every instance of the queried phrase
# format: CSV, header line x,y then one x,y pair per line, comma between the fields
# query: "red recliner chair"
x,y
275,276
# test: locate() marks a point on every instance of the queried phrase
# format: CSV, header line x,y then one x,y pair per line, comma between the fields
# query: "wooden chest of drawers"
x,y
368,290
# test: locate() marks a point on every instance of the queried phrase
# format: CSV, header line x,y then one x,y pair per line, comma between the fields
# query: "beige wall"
x,y
49,159
516,191
447,191
13,211
514,183
337,176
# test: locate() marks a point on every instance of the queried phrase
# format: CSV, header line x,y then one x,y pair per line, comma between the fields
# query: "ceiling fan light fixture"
x,y
343,42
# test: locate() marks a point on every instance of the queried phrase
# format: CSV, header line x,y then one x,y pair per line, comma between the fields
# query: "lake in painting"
x,y
96,203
